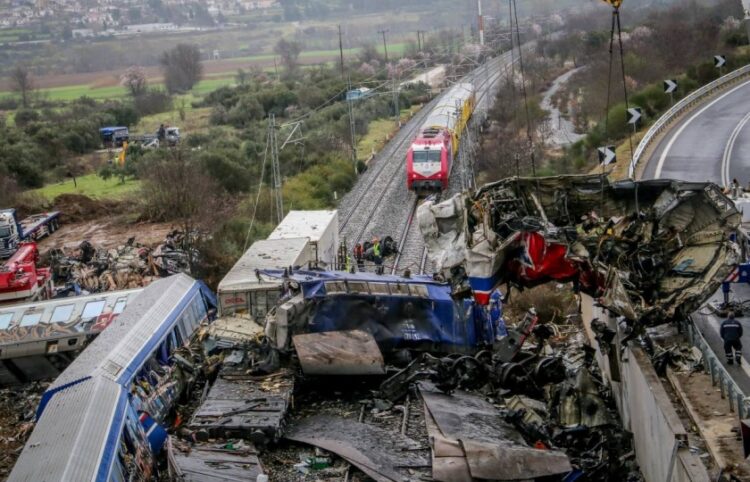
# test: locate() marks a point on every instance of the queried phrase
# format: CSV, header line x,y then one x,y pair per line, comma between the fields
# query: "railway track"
x,y
380,205
412,253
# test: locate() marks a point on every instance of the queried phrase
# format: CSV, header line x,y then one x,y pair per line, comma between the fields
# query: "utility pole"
x,y
352,128
385,45
481,23
420,39
395,100
276,168
341,51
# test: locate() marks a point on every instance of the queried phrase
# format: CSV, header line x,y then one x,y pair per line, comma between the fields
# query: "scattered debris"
x,y
384,456
131,265
224,462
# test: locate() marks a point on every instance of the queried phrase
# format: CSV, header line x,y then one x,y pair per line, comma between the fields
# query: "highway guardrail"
x,y
690,100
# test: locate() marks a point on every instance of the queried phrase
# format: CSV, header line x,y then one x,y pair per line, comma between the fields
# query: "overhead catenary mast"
x,y
480,22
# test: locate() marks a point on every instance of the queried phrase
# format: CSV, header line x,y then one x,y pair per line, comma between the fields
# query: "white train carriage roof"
x,y
120,351
263,254
77,437
445,114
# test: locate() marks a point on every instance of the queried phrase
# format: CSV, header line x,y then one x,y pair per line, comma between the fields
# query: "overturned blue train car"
x,y
99,420
416,312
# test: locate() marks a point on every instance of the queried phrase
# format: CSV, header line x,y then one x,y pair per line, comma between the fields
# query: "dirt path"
x,y
105,232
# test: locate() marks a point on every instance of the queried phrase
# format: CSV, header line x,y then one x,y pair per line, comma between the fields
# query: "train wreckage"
x,y
650,251
403,377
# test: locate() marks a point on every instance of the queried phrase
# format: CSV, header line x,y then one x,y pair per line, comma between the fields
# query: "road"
x,y
711,143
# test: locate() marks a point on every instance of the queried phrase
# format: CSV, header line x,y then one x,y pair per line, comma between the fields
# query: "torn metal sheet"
x,y
579,403
493,448
245,406
211,463
650,251
383,455
230,331
339,353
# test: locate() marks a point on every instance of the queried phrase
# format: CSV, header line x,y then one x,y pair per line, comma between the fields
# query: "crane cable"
x,y
513,78
529,131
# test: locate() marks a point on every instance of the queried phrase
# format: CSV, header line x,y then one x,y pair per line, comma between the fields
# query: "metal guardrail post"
x,y
688,101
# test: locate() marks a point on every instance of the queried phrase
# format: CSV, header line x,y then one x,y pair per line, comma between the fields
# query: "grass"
x,y
379,132
73,92
90,185
209,84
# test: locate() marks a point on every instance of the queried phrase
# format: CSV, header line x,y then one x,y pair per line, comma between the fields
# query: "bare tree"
x,y
182,67
289,53
22,82
134,79
175,187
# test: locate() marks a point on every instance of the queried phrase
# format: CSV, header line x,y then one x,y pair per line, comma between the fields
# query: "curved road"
x,y
712,143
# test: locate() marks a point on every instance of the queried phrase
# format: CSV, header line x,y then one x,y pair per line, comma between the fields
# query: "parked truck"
x,y
14,231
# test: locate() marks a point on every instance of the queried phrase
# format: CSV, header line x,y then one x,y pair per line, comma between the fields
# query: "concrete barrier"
x,y
660,439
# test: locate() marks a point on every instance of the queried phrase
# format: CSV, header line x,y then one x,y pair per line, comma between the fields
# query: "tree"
x,y
289,53
175,187
241,77
134,79
23,83
182,67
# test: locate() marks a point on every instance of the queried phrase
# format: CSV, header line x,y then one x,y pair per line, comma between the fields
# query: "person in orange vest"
x,y
359,256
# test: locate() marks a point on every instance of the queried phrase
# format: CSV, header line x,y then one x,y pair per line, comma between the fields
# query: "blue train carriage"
x,y
100,419
415,313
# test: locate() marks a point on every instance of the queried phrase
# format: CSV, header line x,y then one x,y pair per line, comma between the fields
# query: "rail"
x,y
730,391
679,108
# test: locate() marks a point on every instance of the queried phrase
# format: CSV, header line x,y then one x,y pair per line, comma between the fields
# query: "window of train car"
x,y
427,156
5,320
379,289
92,310
120,306
29,319
61,313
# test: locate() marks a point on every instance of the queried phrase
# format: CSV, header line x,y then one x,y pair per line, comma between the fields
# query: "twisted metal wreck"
x,y
650,251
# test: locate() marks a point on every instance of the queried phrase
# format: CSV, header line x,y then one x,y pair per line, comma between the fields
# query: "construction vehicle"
x,y
21,279
32,228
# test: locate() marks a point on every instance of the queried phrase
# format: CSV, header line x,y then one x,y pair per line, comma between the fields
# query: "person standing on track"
x,y
377,254
359,256
731,333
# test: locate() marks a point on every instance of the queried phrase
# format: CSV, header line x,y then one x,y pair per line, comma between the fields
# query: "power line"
x,y
529,131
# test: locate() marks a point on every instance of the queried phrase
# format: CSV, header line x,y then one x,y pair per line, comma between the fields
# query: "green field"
x,y
211,83
90,185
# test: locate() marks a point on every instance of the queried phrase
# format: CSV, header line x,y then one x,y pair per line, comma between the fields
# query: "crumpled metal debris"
x,y
650,251
131,265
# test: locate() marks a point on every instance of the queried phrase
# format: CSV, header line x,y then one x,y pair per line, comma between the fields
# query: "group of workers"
x,y
359,252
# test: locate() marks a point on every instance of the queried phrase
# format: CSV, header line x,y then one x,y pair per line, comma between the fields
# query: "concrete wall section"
x,y
660,439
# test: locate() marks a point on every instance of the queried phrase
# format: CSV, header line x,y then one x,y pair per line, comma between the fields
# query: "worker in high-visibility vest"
x,y
377,254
